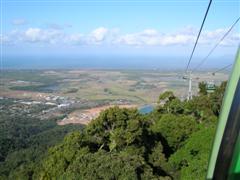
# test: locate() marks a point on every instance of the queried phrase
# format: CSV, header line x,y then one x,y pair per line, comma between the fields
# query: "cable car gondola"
x,y
210,87
224,161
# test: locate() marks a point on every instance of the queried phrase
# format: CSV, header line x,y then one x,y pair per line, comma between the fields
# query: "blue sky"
x,y
113,28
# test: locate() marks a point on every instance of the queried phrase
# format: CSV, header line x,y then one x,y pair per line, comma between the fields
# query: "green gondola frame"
x,y
224,161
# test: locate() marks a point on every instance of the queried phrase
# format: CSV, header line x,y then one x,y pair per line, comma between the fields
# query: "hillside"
x,y
172,142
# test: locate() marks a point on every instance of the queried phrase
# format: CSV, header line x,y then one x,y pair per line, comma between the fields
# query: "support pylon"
x,y
189,97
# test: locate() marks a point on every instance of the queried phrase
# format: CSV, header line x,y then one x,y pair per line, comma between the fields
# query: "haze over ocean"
x,y
114,62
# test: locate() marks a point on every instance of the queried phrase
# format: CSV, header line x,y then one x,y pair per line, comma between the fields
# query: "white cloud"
x,y
189,30
98,35
57,26
102,35
75,39
36,35
4,39
233,38
33,34
150,32
19,22
54,26
40,35
154,38
151,37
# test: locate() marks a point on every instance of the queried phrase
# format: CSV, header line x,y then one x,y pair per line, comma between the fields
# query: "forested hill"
x,y
172,142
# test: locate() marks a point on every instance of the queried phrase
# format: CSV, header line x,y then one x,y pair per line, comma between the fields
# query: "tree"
x,y
202,88
190,161
175,106
172,142
166,96
200,107
116,145
175,129
217,97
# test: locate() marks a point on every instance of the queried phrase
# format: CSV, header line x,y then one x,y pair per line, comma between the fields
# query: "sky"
x,y
108,28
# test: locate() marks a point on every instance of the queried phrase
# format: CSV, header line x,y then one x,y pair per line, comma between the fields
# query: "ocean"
x,y
161,63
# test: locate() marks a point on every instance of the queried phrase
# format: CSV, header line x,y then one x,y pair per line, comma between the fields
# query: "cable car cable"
x,y
210,52
225,67
205,16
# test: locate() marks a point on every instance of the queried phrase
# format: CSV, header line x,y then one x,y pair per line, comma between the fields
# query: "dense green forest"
x,y
24,139
172,142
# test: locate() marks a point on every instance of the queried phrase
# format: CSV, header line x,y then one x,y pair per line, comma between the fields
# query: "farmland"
x,y
68,93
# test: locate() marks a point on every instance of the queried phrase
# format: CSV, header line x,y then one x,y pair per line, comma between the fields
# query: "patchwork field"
x,y
70,92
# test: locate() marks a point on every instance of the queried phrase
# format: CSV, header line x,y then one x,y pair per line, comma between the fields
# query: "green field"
x,y
135,86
